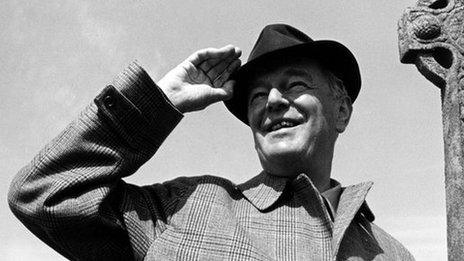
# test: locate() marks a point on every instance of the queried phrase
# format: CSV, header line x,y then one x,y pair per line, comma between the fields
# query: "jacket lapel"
x,y
351,201
263,190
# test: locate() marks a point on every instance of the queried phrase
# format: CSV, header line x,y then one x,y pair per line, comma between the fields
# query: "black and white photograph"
x,y
232,130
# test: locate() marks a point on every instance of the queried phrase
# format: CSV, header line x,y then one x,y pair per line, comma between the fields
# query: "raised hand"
x,y
202,79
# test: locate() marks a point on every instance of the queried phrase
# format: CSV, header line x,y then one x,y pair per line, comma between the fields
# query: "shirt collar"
x,y
332,195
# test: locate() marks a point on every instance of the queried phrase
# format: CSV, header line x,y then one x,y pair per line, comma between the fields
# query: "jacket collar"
x,y
263,190
352,202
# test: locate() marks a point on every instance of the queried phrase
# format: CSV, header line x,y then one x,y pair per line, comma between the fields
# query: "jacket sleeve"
x,y
72,195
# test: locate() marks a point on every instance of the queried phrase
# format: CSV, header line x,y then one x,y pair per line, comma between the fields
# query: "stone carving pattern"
x,y
431,36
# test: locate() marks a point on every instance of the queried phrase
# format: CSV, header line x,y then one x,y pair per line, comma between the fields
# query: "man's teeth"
x,y
282,124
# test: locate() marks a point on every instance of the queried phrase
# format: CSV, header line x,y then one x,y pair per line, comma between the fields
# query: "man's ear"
x,y
343,114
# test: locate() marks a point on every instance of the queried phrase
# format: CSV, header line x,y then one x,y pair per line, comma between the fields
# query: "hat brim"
x,y
334,56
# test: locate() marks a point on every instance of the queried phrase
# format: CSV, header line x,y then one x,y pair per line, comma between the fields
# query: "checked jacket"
x,y
72,196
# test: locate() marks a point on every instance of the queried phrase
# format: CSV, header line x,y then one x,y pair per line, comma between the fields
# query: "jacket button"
x,y
108,101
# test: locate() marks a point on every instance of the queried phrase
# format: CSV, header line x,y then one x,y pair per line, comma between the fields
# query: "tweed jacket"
x,y
72,197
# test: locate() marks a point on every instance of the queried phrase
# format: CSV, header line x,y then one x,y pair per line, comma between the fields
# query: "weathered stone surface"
x,y
431,35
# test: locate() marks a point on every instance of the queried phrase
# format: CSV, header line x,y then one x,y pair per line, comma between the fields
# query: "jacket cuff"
x,y
138,108
137,86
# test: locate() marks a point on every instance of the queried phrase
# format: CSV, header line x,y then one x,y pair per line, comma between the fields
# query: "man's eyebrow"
x,y
256,83
298,72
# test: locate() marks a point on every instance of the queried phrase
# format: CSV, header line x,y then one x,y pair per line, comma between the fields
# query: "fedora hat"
x,y
280,41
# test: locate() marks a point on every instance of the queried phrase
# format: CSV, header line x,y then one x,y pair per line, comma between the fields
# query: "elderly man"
x,y
296,95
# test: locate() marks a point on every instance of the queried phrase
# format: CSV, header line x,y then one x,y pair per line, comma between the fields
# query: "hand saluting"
x,y
202,79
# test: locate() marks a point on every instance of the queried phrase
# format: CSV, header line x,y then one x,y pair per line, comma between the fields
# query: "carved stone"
x,y
431,36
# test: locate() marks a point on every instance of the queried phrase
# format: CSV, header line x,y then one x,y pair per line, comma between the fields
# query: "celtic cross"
x,y
431,36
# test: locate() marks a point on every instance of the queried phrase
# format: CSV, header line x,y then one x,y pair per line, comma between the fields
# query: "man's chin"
x,y
281,162
283,152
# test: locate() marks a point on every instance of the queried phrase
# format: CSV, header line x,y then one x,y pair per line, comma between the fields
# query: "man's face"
x,y
292,113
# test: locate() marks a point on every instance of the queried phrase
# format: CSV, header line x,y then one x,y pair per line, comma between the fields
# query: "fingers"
x,y
225,92
208,64
209,71
212,61
221,65
225,74
200,56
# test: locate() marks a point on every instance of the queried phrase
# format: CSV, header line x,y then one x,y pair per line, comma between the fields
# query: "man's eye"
x,y
257,96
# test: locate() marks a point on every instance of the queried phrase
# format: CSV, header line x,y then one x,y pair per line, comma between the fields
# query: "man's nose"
x,y
276,100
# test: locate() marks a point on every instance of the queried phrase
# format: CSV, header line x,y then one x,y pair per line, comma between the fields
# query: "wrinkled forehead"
x,y
276,69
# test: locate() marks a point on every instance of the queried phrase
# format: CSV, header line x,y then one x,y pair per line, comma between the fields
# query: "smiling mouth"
x,y
281,124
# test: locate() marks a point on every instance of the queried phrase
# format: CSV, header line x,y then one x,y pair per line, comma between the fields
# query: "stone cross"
x,y
431,36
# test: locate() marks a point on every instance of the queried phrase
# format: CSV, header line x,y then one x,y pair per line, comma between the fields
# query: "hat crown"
x,y
275,37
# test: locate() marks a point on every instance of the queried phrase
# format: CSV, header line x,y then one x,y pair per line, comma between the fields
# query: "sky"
x,y
56,56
